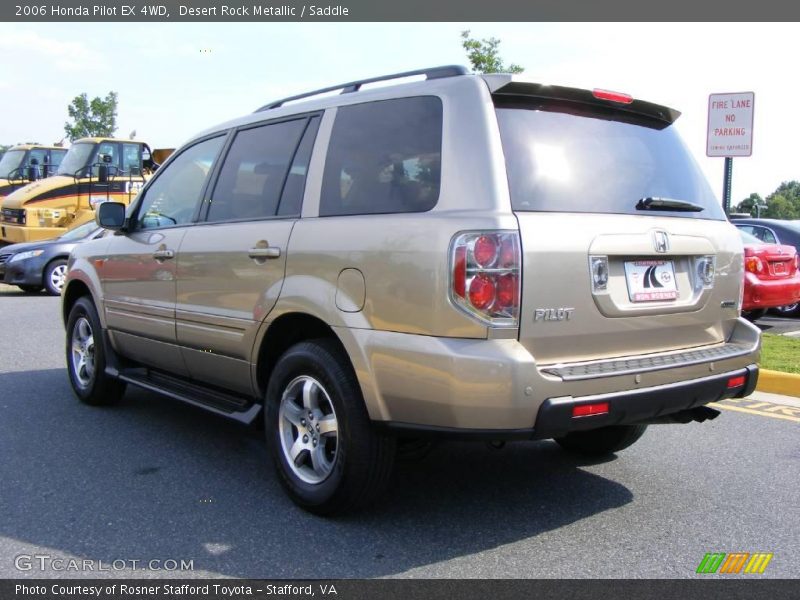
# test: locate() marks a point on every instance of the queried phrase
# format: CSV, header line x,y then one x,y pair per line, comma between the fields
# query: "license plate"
x,y
650,280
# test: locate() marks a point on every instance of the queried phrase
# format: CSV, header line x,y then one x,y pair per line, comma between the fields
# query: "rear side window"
x,y
384,157
560,162
251,179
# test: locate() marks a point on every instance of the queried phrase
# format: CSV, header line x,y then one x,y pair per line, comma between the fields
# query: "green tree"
x,y
483,55
97,117
784,202
748,205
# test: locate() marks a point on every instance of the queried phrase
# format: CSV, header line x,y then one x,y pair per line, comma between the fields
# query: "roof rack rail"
x,y
354,86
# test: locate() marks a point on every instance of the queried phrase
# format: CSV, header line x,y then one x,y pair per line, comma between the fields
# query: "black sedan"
x,y
774,231
36,265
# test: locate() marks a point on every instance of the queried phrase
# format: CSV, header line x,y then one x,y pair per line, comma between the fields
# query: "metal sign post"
x,y
727,177
730,133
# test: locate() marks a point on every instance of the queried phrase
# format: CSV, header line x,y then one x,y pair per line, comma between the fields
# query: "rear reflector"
x,y
585,410
735,382
612,96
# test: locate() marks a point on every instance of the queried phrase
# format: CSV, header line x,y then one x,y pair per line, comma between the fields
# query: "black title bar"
x,y
403,10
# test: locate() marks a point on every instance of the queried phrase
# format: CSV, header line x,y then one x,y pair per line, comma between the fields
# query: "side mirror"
x,y
110,215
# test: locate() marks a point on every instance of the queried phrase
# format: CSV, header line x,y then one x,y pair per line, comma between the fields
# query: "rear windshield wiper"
x,y
667,204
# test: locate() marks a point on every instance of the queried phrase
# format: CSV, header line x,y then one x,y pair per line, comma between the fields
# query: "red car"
x,y
771,276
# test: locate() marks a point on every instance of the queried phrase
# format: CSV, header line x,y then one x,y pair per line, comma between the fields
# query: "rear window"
x,y
384,157
762,234
560,162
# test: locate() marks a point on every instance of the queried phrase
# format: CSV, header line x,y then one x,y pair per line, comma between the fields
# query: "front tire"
x,y
327,454
603,441
55,275
86,360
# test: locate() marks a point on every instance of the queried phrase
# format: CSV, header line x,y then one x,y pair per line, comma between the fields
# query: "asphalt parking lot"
x,y
151,479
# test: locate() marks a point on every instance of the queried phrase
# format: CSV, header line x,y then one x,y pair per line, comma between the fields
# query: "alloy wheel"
x,y
309,430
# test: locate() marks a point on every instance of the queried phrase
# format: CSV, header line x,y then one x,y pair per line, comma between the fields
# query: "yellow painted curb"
x,y
777,382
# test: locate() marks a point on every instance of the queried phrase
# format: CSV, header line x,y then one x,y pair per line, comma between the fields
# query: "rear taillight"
x,y
753,264
485,276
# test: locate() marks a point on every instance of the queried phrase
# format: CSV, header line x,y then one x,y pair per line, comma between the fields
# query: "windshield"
x,y
79,232
10,161
562,162
77,157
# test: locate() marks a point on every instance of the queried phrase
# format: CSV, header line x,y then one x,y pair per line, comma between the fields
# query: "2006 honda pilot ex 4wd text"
x,y
462,255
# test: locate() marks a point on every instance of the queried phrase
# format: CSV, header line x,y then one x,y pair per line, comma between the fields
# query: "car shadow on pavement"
x,y
154,479
13,291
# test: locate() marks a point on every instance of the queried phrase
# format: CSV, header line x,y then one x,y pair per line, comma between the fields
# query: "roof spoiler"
x,y
506,87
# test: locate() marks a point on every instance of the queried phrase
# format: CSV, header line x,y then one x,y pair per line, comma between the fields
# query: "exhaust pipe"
x,y
698,414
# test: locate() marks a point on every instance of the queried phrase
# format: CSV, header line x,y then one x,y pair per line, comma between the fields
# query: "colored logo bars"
x,y
736,562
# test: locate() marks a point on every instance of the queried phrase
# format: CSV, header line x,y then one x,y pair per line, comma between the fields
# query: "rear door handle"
x,y
163,254
268,252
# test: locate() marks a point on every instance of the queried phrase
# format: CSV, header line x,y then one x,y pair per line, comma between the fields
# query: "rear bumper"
x,y
495,388
769,293
555,418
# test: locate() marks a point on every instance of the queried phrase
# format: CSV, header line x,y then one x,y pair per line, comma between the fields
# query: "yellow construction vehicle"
x,y
24,163
94,170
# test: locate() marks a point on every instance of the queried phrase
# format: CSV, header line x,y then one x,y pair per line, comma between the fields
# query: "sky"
x,y
175,79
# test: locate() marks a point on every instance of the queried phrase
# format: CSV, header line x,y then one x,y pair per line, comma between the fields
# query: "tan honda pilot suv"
x,y
448,255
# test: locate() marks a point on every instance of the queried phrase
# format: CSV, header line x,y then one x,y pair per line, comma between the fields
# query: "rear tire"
x,y
54,276
790,310
328,456
603,441
86,360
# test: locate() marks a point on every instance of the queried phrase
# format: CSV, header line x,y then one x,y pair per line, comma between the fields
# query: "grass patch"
x,y
780,353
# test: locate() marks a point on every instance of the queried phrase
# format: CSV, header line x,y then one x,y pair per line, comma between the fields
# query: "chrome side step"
x,y
239,408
